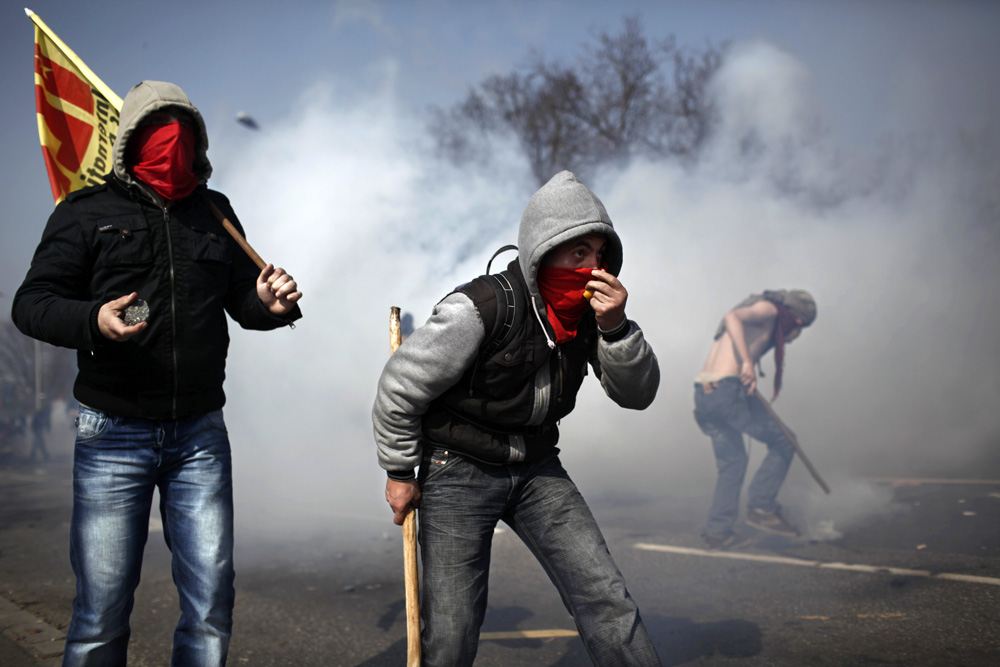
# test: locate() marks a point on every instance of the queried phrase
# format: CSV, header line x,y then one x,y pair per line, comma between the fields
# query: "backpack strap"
x,y
507,302
503,318
499,312
503,249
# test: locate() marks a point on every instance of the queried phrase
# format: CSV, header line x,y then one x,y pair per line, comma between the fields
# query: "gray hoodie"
x,y
142,100
436,356
562,209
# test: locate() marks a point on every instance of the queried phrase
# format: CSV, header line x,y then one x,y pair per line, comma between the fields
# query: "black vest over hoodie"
x,y
485,414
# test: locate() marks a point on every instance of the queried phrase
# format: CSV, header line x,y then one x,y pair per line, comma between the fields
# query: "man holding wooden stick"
x,y
473,398
137,274
727,406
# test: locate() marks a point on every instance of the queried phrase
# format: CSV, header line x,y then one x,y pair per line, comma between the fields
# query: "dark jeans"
x,y
724,414
462,501
117,464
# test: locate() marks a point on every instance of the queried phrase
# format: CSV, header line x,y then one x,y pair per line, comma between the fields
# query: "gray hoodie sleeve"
x,y
430,361
630,373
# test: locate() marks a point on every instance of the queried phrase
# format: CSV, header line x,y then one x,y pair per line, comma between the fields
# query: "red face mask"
x,y
162,156
562,290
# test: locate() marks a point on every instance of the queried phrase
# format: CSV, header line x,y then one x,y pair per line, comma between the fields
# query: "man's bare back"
x,y
739,348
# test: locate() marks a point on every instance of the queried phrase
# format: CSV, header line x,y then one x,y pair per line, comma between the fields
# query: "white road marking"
x,y
528,634
784,560
916,481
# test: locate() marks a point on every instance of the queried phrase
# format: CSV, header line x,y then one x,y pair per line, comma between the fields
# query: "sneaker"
x,y
770,522
724,541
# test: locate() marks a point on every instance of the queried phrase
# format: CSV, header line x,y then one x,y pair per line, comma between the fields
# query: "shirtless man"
x,y
726,408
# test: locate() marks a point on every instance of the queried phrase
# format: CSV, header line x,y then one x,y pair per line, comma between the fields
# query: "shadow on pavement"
x,y
678,641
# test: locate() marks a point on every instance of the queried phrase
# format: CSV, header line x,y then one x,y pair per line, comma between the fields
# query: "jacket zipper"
x,y
559,375
173,312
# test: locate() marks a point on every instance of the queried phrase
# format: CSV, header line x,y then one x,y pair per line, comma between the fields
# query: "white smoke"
x,y
349,201
897,376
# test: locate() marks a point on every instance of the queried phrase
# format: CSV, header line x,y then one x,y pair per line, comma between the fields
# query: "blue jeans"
x,y
724,414
117,463
462,500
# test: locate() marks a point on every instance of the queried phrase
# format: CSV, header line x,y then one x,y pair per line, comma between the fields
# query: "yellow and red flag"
x,y
77,115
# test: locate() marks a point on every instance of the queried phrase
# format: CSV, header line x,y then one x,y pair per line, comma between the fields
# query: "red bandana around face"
x,y
162,156
562,290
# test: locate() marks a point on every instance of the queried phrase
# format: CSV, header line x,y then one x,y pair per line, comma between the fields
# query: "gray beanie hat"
x,y
799,301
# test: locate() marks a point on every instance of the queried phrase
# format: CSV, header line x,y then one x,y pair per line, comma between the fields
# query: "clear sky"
x,y
339,187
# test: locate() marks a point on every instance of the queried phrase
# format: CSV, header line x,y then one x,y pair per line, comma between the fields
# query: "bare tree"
x,y
621,84
618,101
533,106
684,113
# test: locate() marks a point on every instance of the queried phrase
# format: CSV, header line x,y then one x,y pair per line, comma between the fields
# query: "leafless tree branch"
x,y
624,97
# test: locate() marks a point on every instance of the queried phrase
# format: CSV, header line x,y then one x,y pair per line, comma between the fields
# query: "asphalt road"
x,y
918,585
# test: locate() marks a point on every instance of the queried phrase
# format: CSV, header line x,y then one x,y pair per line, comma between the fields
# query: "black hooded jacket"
x,y
104,242
109,240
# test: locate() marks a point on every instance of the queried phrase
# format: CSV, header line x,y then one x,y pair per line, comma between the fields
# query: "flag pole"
x,y
410,577
109,94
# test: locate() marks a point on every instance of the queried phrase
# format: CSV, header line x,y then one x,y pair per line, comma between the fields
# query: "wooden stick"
x,y
235,233
395,330
795,443
410,577
412,585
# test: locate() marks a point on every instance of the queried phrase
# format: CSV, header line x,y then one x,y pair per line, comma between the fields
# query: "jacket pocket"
x,y
125,241
209,247
511,357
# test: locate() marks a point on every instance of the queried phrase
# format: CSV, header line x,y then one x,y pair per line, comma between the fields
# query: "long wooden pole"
x,y
235,233
791,437
410,578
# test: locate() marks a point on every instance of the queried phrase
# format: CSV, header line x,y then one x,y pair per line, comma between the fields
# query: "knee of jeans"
x,y
734,467
209,560
103,604
451,628
785,448
730,454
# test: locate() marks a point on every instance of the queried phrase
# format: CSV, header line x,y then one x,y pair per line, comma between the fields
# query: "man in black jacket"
x,y
137,275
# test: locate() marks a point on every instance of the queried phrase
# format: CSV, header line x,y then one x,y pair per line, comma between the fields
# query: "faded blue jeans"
x,y
117,464
724,414
462,500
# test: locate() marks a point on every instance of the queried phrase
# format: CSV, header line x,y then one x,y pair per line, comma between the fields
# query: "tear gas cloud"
x,y
897,242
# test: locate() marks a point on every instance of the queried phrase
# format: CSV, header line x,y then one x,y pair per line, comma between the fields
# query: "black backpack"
x,y
499,324
508,301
